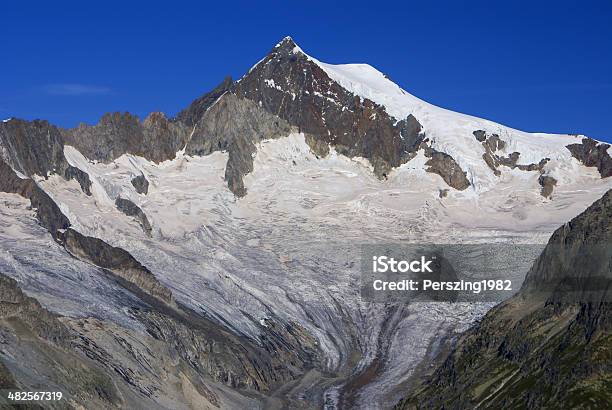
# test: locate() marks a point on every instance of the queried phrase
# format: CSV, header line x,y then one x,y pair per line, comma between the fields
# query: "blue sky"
x,y
533,65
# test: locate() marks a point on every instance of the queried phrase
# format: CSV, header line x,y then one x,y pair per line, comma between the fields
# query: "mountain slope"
x,y
357,109
548,347
228,237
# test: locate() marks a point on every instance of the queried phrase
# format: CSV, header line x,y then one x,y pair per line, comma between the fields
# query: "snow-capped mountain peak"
x,y
357,108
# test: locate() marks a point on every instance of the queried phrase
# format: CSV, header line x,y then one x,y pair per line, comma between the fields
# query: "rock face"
x,y
37,148
547,347
32,147
101,365
234,125
30,331
131,209
492,144
192,114
94,250
592,154
444,165
141,184
288,84
548,184
156,138
81,176
47,211
116,260
573,251
15,305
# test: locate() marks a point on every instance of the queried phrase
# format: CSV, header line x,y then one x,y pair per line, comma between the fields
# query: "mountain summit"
x,y
353,109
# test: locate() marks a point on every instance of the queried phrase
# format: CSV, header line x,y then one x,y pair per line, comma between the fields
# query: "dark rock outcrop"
x,y
47,211
112,137
444,165
481,135
494,143
32,147
37,148
131,209
94,250
318,147
592,154
82,178
14,304
162,138
547,347
288,84
141,184
116,260
579,250
548,184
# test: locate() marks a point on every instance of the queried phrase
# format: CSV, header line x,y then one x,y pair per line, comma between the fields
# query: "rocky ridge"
x,y
593,154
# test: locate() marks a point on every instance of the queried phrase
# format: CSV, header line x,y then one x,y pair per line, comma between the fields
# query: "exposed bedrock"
x,y
592,154
494,143
32,147
444,165
228,358
192,114
543,348
141,184
573,251
156,138
47,211
81,177
131,209
176,353
235,125
30,332
548,184
288,84
37,148
15,305
116,260
318,147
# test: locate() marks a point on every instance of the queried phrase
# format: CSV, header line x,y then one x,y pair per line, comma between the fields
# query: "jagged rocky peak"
x,y
157,138
192,114
115,134
37,148
294,86
32,147
235,125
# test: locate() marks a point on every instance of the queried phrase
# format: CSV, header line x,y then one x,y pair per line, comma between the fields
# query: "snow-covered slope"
x,y
287,254
452,132
289,251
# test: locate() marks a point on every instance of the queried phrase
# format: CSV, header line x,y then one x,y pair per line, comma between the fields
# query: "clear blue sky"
x,y
534,65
